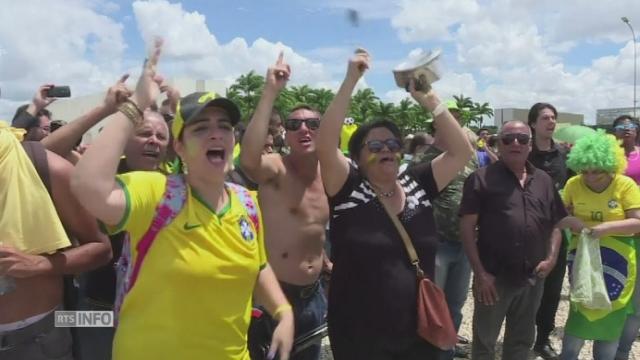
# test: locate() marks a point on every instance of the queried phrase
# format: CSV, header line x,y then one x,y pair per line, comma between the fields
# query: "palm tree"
x,y
384,110
321,99
362,104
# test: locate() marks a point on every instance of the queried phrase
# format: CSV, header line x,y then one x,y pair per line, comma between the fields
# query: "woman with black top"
x,y
372,302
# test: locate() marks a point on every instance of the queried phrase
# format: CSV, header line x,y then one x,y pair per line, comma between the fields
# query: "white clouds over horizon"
x,y
510,53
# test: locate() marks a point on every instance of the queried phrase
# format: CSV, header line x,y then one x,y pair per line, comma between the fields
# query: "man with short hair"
x,y
294,204
509,211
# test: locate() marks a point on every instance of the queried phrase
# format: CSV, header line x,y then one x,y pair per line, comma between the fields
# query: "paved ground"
x,y
556,338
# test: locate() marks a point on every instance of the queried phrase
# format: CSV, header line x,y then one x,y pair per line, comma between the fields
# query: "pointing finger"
x,y
123,78
280,58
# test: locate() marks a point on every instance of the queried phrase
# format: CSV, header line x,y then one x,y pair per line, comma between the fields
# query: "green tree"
x,y
362,104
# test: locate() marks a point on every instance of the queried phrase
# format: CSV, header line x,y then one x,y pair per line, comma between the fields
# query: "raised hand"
x,y
148,87
358,64
427,98
173,95
40,99
278,74
117,94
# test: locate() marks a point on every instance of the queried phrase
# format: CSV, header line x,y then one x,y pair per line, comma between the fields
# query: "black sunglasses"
x,y
508,139
375,146
295,124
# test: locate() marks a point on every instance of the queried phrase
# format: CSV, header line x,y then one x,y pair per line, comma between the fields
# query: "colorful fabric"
x,y
193,294
345,135
32,212
618,255
619,266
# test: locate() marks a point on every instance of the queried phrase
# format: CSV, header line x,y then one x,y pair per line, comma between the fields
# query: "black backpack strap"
x,y
38,155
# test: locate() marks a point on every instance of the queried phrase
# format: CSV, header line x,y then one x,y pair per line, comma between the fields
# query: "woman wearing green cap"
x,y
196,255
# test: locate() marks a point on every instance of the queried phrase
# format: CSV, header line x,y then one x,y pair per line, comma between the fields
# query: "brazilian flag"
x,y
619,266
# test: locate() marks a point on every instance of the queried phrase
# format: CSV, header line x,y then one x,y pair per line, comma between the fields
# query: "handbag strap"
x,y
411,251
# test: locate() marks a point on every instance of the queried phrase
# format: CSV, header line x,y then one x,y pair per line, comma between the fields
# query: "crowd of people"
x,y
212,239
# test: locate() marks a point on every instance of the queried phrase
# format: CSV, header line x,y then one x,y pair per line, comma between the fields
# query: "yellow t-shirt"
x,y
594,208
193,295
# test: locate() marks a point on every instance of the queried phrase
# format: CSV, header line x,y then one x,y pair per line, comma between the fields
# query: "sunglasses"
x,y
375,146
623,127
508,139
295,124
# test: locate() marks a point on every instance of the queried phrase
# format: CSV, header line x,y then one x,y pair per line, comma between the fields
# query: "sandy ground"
x,y
556,336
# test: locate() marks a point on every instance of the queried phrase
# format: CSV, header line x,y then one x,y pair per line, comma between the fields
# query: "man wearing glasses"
x,y
509,212
294,205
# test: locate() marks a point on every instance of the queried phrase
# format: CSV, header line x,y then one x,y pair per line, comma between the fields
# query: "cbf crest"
x,y
245,230
612,204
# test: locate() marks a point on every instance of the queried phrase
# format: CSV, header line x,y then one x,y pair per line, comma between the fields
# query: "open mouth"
x,y
154,154
387,159
305,140
215,155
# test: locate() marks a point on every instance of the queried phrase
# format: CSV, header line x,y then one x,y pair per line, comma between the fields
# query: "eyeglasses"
x,y
375,146
508,139
295,124
623,127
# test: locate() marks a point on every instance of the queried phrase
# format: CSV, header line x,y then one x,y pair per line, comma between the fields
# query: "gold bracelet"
x,y
131,112
135,106
282,308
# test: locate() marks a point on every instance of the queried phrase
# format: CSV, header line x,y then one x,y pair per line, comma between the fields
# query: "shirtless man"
x,y
293,202
26,313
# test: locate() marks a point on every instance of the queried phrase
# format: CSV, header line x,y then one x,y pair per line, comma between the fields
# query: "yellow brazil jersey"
x,y
609,205
193,295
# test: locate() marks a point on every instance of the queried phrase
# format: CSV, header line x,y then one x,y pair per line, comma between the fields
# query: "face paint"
x,y
398,157
191,147
371,159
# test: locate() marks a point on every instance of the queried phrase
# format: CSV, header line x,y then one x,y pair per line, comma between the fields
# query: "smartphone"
x,y
59,92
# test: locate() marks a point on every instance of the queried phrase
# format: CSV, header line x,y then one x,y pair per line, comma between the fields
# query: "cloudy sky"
x,y
576,54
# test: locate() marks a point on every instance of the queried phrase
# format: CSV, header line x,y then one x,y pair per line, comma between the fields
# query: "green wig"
x,y
597,151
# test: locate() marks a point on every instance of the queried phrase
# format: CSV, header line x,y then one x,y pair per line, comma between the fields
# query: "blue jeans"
x,y
453,275
309,311
602,350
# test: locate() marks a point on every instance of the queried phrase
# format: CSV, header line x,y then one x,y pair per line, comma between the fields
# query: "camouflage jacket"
x,y
447,204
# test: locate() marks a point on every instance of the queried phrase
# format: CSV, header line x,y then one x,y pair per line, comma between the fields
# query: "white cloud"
x,y
72,45
517,50
192,50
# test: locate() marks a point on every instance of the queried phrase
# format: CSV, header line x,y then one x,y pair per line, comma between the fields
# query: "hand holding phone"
x,y
59,92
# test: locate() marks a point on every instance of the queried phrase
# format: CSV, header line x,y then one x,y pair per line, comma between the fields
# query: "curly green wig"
x,y
598,151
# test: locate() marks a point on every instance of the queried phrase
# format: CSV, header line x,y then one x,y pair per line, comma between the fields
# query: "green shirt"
x,y
447,204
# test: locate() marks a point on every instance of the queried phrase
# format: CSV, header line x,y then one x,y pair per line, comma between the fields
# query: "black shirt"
x,y
553,162
514,223
373,284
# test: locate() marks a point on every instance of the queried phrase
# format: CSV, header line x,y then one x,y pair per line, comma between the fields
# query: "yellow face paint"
x,y
371,159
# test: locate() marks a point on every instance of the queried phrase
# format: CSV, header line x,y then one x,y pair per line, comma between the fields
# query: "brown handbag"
x,y
434,320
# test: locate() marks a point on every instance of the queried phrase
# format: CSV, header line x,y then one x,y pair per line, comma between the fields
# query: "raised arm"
x,y
334,166
262,168
457,148
93,180
64,139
